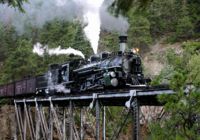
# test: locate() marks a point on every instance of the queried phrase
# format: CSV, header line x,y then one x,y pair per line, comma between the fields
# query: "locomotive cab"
x,y
58,78
53,74
64,73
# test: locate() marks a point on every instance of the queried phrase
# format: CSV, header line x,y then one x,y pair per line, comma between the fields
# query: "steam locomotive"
x,y
103,71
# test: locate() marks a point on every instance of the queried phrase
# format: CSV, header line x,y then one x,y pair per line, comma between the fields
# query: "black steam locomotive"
x,y
103,71
106,70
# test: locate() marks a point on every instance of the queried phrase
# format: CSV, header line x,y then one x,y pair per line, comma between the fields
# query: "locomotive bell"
x,y
122,42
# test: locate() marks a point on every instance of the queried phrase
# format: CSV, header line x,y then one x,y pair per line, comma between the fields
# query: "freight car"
x,y
23,87
103,71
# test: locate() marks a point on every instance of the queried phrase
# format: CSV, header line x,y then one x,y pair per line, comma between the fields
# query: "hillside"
x,y
154,60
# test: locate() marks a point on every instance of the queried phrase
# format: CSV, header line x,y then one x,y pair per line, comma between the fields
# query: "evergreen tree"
x,y
109,41
65,34
8,38
20,63
80,42
183,119
139,32
184,27
14,3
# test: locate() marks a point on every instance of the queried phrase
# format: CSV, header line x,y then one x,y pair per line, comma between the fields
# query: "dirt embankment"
x,y
154,60
7,123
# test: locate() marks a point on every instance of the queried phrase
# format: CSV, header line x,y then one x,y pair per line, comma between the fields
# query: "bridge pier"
x,y
136,119
50,124
25,123
37,126
19,122
97,120
29,120
71,120
64,123
41,125
81,124
104,123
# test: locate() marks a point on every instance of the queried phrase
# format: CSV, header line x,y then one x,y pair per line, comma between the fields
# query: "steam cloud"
x,y
61,88
111,23
91,16
53,86
37,13
93,13
40,50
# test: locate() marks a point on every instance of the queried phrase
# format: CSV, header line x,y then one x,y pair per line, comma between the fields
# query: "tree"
x,y
178,20
14,3
122,7
80,41
7,39
162,16
184,27
16,50
66,34
183,119
109,41
139,32
20,63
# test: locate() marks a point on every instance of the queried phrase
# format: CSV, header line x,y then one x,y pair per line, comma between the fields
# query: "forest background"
x,y
172,21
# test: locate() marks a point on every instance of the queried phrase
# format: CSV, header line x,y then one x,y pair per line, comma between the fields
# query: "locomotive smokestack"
x,y
122,42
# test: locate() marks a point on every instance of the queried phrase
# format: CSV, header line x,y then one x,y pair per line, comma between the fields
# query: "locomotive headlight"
x,y
114,82
113,74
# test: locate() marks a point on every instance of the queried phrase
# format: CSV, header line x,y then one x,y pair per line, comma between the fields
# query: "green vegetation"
x,y
14,3
139,31
19,62
174,20
182,109
108,41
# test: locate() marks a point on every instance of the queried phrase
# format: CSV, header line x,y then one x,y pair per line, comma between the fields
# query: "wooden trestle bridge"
x,y
40,118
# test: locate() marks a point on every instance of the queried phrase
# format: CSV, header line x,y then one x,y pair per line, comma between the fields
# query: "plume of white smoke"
x,y
59,51
92,30
54,86
38,12
62,88
96,16
40,50
91,17
111,23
